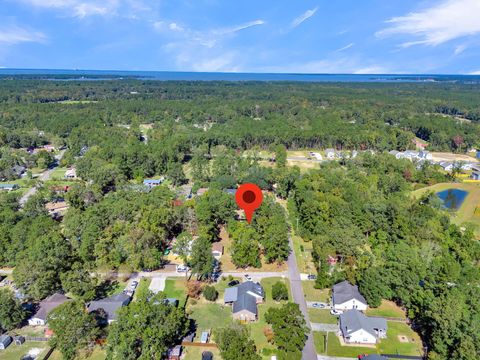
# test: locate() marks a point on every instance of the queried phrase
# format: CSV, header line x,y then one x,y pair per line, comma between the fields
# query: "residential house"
x,y
5,341
201,191
9,187
419,144
110,305
174,353
153,182
244,299
446,165
18,170
356,327
373,357
231,191
71,173
330,154
57,209
347,297
397,154
424,154
217,250
45,307
411,155
466,166
476,172
316,155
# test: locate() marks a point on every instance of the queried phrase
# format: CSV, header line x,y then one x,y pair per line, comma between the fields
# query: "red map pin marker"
x,y
249,197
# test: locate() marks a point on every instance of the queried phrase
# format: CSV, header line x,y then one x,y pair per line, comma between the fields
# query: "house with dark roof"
x,y
356,327
110,305
374,357
244,299
347,297
174,353
5,341
45,307
9,187
153,182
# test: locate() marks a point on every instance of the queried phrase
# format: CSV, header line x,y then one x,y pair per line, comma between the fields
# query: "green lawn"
x,y
58,173
319,341
392,344
195,352
321,316
334,348
117,287
210,316
142,287
97,354
267,284
175,288
312,294
15,352
387,309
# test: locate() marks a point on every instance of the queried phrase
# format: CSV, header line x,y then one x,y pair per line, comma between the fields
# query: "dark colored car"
x,y
207,355
233,283
311,277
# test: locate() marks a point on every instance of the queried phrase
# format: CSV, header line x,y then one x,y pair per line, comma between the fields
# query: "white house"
x,y
356,327
71,173
411,155
347,297
397,154
446,165
316,155
424,154
330,154
45,307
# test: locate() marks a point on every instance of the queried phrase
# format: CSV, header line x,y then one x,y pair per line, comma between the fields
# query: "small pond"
x,y
452,198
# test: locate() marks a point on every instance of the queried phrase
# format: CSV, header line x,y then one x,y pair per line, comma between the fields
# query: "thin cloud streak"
x,y
15,34
306,15
433,26
345,47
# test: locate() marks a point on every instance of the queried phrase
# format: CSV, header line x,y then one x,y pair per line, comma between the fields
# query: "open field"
x,y
466,212
444,156
210,316
15,352
312,294
387,309
322,316
226,260
175,288
195,352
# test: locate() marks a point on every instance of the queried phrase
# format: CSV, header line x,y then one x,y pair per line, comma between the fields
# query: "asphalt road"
x,y
309,352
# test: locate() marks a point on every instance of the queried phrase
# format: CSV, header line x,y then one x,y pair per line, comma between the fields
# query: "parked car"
x,y
248,277
233,283
311,277
336,312
182,268
319,305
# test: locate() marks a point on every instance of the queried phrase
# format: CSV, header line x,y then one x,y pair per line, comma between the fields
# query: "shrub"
x,y
210,293
279,291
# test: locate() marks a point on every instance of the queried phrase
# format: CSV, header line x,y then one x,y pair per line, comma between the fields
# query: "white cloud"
x,y
348,46
15,34
306,15
460,49
476,72
436,25
78,8
335,65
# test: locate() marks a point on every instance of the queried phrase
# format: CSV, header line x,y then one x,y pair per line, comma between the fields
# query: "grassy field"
x,y
319,341
210,316
15,352
97,354
312,294
387,309
195,352
322,316
466,212
175,288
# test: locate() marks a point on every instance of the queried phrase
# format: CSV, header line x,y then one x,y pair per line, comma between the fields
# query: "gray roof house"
x,y
347,297
110,305
374,357
244,298
356,327
46,306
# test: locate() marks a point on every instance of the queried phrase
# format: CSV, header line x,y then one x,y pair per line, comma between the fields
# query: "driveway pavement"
x,y
310,303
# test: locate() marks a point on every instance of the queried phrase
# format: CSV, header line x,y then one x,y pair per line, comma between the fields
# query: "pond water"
x,y
452,198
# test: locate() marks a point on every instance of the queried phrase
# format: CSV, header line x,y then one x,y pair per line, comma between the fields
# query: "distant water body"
x,y
88,75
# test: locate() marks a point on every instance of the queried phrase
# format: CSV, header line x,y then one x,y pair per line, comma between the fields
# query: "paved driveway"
x,y
310,303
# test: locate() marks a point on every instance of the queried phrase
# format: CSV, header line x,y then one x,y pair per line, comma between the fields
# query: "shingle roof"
x,y
110,305
353,320
250,286
374,357
230,295
245,302
49,304
345,291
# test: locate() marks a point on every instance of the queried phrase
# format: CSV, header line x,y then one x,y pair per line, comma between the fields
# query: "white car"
x,y
182,268
248,277
336,312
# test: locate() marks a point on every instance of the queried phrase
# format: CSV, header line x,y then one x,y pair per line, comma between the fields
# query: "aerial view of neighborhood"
x,y
215,213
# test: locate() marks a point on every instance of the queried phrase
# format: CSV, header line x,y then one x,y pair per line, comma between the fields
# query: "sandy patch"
x,y
443,156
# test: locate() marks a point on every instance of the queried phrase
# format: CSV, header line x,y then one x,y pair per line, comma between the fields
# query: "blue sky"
x,y
304,36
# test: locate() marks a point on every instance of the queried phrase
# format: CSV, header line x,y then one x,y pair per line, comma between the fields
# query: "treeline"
x,y
395,248
242,115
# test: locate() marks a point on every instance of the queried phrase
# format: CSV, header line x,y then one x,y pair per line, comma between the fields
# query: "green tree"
x,y
280,156
289,329
210,293
11,312
234,343
201,260
146,329
245,249
79,282
279,291
73,328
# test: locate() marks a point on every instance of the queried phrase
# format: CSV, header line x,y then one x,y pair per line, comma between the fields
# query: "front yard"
x,y
312,294
401,340
322,316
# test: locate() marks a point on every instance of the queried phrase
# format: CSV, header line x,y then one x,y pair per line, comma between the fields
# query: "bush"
x,y
210,293
279,291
